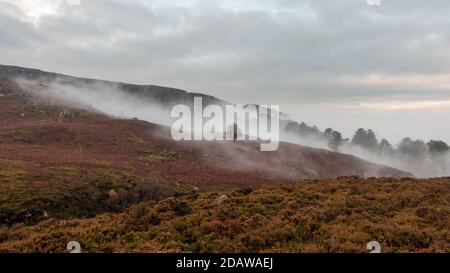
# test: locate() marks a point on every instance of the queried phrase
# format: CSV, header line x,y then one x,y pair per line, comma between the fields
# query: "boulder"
x,y
219,200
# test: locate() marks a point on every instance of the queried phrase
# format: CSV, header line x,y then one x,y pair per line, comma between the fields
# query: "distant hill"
x,y
164,96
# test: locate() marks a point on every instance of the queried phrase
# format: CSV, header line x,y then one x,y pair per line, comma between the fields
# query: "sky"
x,y
343,64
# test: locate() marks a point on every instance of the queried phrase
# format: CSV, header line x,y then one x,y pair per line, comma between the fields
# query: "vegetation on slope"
x,y
311,216
120,186
29,196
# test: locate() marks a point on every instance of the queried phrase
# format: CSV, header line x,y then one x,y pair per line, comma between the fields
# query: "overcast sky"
x,y
335,63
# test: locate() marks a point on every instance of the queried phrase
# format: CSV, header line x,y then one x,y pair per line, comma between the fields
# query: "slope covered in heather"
x,y
62,162
341,215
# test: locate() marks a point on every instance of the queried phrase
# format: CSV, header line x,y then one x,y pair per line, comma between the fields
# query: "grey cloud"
x,y
243,51
16,34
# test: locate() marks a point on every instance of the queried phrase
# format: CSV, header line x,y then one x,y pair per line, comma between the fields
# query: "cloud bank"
x,y
340,64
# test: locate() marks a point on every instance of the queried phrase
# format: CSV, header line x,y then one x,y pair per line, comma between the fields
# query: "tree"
x,y
293,127
405,146
386,149
366,139
414,152
439,155
328,133
359,137
437,147
303,130
308,131
335,142
371,140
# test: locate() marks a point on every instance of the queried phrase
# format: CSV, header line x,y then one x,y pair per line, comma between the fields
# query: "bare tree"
x,y
234,132
335,141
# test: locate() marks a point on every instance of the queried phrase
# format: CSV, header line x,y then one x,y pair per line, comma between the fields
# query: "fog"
x,y
111,100
108,99
417,159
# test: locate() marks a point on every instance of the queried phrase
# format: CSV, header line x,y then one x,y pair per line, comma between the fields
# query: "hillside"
x,y
63,162
144,96
405,215
164,96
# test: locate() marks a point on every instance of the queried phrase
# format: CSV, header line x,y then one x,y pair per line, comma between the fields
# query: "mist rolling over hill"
x,y
63,137
59,163
154,104
242,128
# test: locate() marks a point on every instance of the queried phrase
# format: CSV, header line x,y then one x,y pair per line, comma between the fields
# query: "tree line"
x,y
433,154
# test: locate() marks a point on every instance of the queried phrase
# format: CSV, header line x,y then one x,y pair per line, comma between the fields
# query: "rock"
x,y
45,214
195,189
66,114
219,200
247,190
